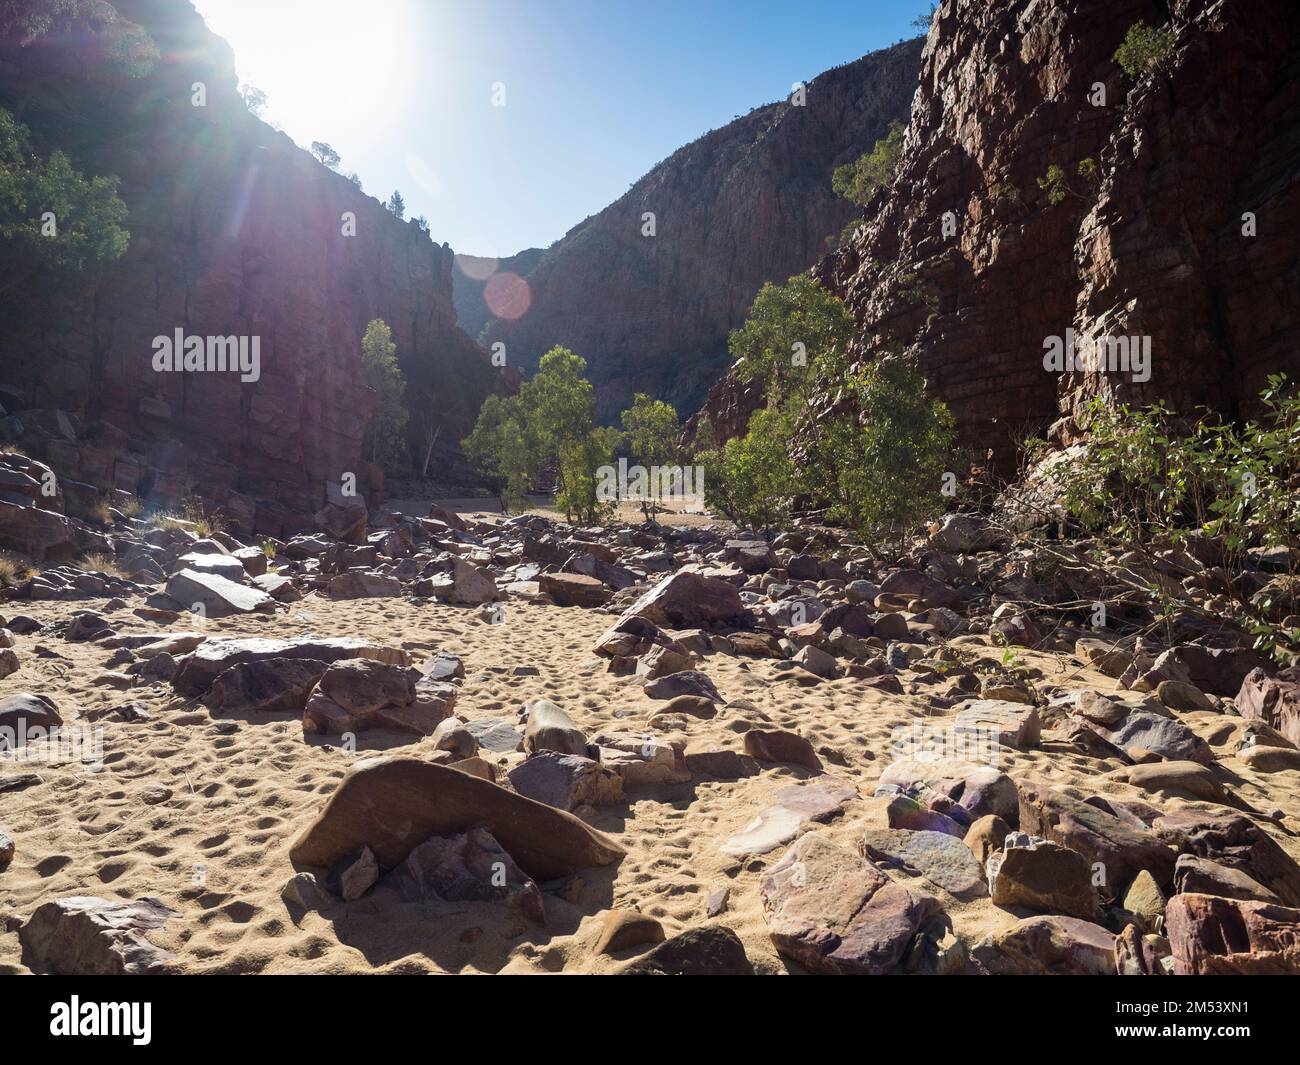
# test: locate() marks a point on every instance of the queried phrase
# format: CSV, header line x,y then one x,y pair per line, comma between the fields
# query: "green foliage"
x,y
1144,49
379,369
88,224
1056,186
859,180
396,205
800,312
652,429
121,46
422,224
499,446
327,155
750,478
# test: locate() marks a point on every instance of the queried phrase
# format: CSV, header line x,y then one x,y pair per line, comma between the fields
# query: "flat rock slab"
x,y
774,827
393,805
942,859
495,734
1010,724
834,913
200,669
688,599
217,596
273,685
87,936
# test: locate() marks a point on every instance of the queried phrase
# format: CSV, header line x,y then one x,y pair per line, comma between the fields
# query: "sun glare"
x,y
331,69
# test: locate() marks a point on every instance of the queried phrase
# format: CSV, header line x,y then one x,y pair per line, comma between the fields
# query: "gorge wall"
x,y
234,231
748,203
1152,246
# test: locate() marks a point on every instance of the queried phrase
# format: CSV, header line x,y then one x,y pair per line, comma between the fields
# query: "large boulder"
x,y
344,519
687,600
272,685
1042,876
217,596
573,589
550,729
394,804
362,694
463,584
1235,841
836,914
566,781
1048,946
86,936
44,536
941,783
212,658
1272,700
1231,937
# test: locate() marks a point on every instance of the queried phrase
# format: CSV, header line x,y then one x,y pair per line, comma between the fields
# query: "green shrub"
x,y
858,181
1144,49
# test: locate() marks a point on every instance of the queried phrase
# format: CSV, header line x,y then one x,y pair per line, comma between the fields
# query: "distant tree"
x,y
64,219
1144,49
922,22
327,155
254,99
422,224
353,177
396,205
652,429
382,374
859,180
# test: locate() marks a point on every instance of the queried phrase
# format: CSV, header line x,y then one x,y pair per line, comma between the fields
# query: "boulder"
x,y
550,729
624,929
1200,876
395,804
834,913
87,936
361,694
1005,723
217,596
942,859
642,760
1215,936
1042,876
687,600
344,519
362,584
464,584
1048,946
566,781
573,589
978,789
708,950
210,659
1235,841
770,745
1273,700
268,686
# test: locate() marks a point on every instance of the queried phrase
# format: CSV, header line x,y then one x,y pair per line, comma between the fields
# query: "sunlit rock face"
x,y
747,203
1152,247
234,232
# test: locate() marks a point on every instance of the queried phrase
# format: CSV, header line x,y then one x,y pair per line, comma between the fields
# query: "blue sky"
x,y
596,91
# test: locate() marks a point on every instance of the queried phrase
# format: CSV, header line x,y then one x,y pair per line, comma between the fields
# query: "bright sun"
x,y
328,67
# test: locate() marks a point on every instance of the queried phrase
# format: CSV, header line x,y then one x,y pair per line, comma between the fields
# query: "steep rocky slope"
x,y
744,204
234,231
1154,246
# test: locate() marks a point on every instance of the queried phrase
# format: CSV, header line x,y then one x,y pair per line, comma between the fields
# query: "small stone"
x,y
623,929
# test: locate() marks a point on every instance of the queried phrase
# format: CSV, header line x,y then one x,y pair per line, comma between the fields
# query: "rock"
x,y
8,663
217,596
709,950
1193,875
495,734
1048,946
267,686
360,584
21,714
343,518
1233,840
1231,937
833,913
1178,695
642,760
716,903
222,565
914,584
1186,778
573,589
6,849
361,694
632,636
1217,670
464,584
566,781
771,828
465,866
1009,724
978,789
86,936
452,735
394,804
688,600
623,929
817,662
1140,955
1103,656
354,875
303,891
692,705
1273,700
903,811
686,682
1163,736
1122,848
963,533
210,659
1043,876
1145,899
277,586
985,836
776,746
942,859
550,729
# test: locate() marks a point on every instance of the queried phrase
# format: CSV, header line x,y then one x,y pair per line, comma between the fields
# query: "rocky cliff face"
x,y
234,232
745,204
967,262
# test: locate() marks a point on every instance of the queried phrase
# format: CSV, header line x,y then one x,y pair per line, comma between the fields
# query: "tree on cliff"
x,y
327,155
55,216
379,369
859,180
115,44
396,205
254,99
